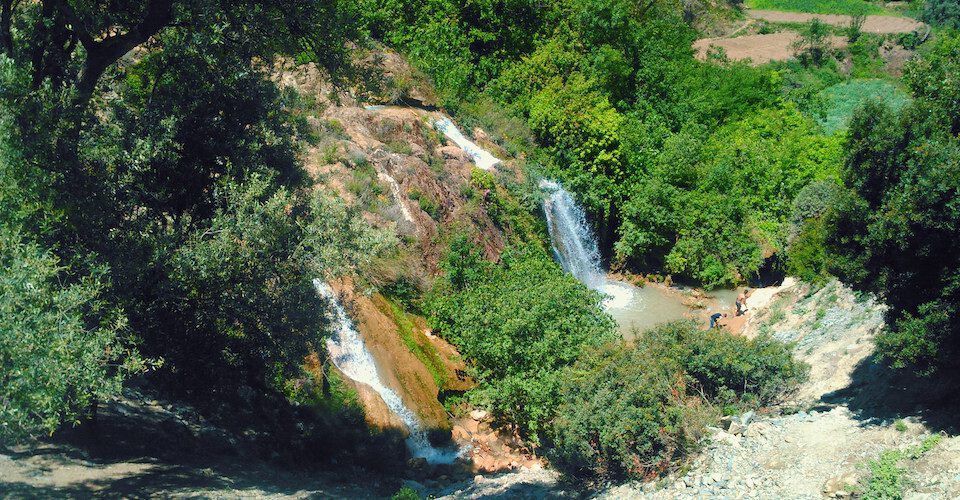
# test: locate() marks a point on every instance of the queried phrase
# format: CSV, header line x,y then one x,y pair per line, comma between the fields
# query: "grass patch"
x,y
420,347
887,478
848,7
841,99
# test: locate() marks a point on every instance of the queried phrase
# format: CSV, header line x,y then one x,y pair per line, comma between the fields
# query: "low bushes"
x,y
520,323
625,413
729,369
635,410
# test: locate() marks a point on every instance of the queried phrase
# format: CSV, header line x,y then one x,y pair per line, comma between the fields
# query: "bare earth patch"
x,y
759,49
763,48
873,24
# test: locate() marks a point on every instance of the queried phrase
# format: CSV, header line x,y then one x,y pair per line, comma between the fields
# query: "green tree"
x,y
519,323
895,231
933,76
813,43
60,342
944,13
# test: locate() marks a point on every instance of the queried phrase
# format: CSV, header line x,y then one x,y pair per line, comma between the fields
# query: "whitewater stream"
x,y
352,358
575,248
481,157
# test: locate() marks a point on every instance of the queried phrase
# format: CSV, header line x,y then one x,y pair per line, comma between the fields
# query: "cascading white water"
x,y
351,357
576,248
397,195
481,157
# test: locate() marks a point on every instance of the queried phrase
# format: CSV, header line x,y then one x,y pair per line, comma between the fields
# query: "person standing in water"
x,y
742,302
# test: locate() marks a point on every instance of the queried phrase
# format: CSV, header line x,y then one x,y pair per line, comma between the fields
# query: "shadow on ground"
x,y
878,394
140,451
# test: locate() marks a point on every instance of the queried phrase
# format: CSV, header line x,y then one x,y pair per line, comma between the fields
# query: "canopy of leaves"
x,y
895,233
631,123
153,198
519,323
635,410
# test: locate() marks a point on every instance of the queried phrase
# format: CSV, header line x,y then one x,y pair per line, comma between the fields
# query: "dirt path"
x,y
873,24
759,49
763,48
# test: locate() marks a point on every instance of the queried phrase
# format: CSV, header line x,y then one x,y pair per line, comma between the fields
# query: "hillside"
x,y
380,249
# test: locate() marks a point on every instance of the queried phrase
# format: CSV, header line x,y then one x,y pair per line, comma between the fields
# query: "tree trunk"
x,y
101,54
6,18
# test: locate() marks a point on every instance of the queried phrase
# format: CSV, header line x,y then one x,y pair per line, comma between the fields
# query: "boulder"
x,y
453,153
726,421
479,415
758,429
417,463
735,428
472,426
840,486
460,434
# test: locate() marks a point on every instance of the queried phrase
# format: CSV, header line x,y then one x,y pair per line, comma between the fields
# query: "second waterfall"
x,y
575,246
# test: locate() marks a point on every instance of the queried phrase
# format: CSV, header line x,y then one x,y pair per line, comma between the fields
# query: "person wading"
x,y
742,302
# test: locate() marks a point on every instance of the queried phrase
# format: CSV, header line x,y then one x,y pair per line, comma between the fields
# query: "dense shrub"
x,y
633,410
807,256
716,204
519,323
625,413
944,13
895,231
933,76
729,368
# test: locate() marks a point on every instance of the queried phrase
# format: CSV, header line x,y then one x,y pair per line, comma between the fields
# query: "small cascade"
x,y
351,357
575,245
481,157
397,194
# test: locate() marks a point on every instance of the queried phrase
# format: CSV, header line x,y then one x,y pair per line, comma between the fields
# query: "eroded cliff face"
x,y
386,334
392,163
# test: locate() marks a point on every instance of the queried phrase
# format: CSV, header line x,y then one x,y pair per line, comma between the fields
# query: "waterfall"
x,y
481,157
351,357
575,245
397,195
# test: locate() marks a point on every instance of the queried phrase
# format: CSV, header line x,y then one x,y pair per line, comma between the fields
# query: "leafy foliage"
x,y
59,341
933,76
813,43
728,368
895,233
636,409
944,13
156,203
519,323
624,413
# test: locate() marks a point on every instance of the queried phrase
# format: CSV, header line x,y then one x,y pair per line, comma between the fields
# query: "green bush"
x,y
625,413
729,368
406,493
59,341
635,410
519,323
944,13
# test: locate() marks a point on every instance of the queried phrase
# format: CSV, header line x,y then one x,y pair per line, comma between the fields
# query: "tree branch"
x,y
101,54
